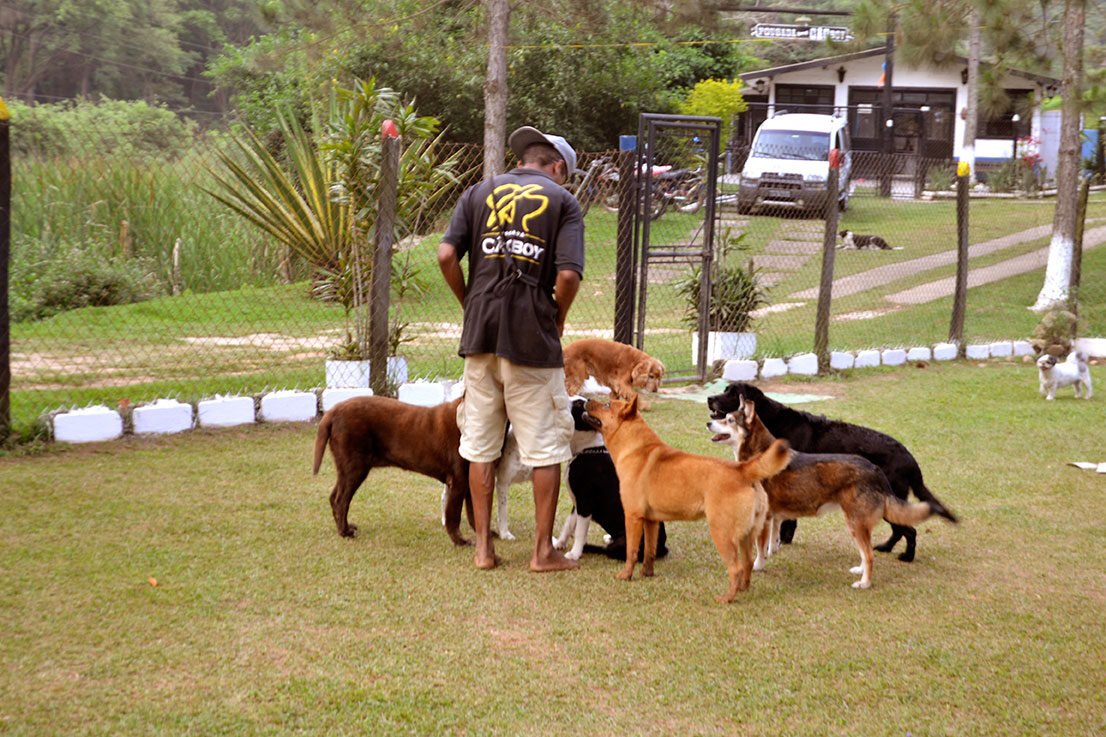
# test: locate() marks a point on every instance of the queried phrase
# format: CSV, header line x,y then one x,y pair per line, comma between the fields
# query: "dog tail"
x,y
322,437
766,465
898,512
918,485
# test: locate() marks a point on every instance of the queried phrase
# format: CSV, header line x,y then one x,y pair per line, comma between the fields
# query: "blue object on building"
x,y
627,143
1090,140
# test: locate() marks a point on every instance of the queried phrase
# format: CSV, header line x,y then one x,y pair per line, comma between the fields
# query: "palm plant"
x,y
319,199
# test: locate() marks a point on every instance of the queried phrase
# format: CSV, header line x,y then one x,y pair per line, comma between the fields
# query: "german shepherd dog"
x,y
814,483
816,434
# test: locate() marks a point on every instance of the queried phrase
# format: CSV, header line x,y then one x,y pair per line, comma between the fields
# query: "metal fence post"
x,y
5,255
829,248
960,296
625,266
382,258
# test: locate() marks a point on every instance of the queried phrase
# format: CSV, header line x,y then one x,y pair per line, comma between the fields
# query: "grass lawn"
x,y
265,622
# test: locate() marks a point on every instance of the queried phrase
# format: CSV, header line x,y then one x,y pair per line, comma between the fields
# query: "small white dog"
x,y
1055,375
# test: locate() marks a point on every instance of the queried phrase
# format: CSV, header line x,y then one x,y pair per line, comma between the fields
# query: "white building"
x,y
929,104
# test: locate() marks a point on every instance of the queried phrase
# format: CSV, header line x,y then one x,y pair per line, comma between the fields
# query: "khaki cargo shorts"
x,y
533,399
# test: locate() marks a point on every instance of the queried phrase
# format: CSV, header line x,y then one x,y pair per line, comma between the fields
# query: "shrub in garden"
x,y
74,277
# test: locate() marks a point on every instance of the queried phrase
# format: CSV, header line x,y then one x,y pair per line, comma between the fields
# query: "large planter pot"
x,y
725,346
355,374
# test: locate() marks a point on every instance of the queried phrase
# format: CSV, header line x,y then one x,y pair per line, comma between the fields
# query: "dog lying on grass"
x,y
814,483
660,483
375,432
816,434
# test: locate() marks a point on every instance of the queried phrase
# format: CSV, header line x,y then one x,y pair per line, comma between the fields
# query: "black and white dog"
x,y
852,240
593,485
1055,374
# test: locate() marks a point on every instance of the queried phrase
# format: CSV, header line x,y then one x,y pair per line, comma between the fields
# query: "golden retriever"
x,y
621,367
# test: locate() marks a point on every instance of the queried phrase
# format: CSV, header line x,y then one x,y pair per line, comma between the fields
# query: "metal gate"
x,y
675,193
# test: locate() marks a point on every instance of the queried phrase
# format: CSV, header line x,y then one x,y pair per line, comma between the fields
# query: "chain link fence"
x,y
130,282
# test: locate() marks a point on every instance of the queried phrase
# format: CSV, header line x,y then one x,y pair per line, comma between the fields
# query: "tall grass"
x,y
136,207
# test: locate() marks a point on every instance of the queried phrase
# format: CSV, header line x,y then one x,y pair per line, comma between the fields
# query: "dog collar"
x,y
597,450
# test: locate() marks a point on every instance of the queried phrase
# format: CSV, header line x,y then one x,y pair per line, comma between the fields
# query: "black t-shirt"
x,y
517,238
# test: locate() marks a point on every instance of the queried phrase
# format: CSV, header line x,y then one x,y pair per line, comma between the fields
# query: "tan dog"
x,y
621,367
814,483
375,432
659,483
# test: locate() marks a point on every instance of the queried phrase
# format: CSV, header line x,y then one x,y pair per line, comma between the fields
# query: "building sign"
x,y
802,33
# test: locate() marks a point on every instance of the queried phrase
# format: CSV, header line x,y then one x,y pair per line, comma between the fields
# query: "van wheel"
x,y
843,205
744,208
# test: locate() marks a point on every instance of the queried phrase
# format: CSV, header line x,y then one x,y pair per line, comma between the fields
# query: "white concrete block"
x,y
919,353
457,389
225,411
805,364
944,352
1025,348
1091,347
893,357
332,397
842,360
773,367
739,370
422,393
288,405
978,350
88,425
162,417
1002,349
866,359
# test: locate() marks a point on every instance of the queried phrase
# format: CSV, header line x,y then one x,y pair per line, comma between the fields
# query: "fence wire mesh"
x,y
130,282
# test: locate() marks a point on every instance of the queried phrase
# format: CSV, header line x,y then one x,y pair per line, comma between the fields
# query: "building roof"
x,y
878,51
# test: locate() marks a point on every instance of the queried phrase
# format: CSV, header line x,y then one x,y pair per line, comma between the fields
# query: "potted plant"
x,y
736,293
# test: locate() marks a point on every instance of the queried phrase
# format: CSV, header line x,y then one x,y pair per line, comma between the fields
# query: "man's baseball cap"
x,y
522,138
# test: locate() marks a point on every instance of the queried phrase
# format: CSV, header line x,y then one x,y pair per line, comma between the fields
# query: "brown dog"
x,y
376,432
659,483
621,367
816,482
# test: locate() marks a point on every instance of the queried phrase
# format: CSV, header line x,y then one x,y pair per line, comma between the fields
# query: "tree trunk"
x,y
1057,284
975,43
495,87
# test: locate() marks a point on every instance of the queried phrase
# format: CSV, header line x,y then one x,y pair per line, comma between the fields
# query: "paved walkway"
x,y
985,275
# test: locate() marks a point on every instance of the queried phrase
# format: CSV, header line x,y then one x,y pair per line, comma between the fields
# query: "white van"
x,y
789,162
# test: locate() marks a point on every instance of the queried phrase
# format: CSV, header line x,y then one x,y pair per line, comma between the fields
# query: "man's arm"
x,y
451,270
568,283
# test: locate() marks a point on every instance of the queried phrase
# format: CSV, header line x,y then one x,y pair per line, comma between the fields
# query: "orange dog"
x,y
621,367
659,483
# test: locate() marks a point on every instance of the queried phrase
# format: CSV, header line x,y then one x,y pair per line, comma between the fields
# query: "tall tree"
x,y
1061,249
495,87
971,119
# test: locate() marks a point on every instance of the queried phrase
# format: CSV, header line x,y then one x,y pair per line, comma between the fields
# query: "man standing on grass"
x,y
524,237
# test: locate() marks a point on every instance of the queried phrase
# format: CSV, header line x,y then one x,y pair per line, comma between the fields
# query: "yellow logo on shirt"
x,y
504,201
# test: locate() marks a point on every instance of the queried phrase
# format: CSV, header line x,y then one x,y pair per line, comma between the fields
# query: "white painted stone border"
x,y
99,423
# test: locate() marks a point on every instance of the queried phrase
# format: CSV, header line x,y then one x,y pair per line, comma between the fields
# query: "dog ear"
x,y
629,408
748,410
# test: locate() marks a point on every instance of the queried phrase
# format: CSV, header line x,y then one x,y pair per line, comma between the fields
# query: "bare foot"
x,y
486,562
554,561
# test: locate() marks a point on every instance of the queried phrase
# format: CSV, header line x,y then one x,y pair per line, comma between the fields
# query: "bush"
x,y
72,278
105,127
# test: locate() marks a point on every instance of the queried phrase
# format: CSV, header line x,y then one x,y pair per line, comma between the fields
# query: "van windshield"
x,y
802,145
